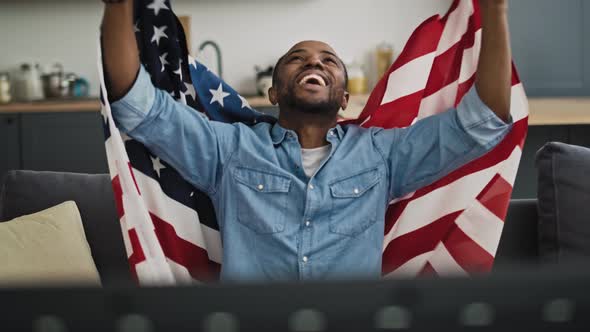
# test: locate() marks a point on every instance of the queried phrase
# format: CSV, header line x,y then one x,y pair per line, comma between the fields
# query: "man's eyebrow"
x,y
299,50
331,53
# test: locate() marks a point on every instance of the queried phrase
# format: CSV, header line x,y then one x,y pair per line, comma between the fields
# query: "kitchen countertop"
x,y
544,111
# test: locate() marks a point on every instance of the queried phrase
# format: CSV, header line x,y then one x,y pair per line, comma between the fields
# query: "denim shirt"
x,y
277,224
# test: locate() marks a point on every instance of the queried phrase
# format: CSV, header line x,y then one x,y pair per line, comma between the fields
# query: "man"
x,y
306,198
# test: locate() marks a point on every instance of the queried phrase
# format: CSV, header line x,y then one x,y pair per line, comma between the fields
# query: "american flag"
x,y
451,227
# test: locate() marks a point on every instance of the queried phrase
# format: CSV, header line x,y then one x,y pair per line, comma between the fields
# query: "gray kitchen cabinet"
x,y
66,142
9,147
580,135
551,46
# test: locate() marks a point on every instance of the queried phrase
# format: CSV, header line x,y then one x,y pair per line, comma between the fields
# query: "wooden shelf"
x,y
543,111
71,105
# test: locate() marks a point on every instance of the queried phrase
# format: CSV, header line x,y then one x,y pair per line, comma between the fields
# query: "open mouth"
x,y
313,79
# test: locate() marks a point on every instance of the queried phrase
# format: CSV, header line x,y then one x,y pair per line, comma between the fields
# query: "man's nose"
x,y
314,61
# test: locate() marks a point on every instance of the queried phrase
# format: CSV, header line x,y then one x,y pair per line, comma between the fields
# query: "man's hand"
x,y
494,71
121,57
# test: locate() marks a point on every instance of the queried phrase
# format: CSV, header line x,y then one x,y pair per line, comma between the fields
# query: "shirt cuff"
x,y
478,119
132,109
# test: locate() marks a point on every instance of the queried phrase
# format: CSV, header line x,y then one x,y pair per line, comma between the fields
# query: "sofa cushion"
x,y
45,248
26,192
564,202
519,244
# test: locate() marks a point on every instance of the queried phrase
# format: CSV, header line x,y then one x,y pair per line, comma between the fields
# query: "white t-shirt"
x,y
312,159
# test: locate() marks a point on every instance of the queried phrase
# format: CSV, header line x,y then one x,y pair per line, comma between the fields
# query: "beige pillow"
x,y
48,247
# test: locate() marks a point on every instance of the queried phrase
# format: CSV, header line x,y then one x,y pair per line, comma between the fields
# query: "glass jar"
x,y
383,58
357,80
5,88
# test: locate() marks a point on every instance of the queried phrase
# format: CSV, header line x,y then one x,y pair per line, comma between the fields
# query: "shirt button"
x,y
305,259
331,133
311,186
307,223
356,191
260,187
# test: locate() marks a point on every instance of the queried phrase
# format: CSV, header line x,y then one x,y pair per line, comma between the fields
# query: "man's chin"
x,y
316,107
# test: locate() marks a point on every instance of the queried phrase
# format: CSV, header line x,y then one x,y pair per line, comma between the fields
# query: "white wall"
x,y
249,32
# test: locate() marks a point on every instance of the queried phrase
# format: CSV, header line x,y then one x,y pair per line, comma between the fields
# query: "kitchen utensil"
x,y
28,84
263,80
52,81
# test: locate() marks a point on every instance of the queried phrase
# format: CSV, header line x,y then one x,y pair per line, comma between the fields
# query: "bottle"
x,y
383,58
357,80
5,96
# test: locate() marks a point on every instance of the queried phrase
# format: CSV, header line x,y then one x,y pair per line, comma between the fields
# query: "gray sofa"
x,y
26,192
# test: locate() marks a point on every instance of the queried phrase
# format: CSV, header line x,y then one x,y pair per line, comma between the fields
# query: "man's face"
x,y
310,78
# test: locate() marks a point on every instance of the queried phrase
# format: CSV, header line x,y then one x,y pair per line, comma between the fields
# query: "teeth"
x,y
309,77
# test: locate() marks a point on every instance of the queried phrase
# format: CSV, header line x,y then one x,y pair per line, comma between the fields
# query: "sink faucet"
x,y
217,53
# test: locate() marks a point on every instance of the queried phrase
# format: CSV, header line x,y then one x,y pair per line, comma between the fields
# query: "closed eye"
x,y
331,60
295,58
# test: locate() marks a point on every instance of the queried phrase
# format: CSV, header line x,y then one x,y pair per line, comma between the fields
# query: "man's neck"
x,y
311,129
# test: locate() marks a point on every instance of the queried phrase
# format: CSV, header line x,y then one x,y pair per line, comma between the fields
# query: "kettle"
x,y
263,80
28,86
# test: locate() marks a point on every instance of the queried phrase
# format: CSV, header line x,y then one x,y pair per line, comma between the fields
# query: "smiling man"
x,y
305,198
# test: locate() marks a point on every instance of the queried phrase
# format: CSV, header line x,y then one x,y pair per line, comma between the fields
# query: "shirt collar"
x,y
279,133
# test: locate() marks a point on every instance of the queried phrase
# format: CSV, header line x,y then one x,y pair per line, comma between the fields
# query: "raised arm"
x,y
184,138
121,57
494,71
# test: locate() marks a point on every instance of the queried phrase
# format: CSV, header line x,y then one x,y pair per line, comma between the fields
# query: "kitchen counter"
x,y
544,111
49,106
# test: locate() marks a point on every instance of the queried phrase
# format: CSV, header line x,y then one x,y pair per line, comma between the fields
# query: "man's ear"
x,y
345,99
272,95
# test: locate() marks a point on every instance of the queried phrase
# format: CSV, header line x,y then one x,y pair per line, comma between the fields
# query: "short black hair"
x,y
279,62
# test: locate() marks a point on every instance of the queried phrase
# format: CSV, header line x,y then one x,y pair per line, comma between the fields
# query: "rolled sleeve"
x,y
480,122
131,110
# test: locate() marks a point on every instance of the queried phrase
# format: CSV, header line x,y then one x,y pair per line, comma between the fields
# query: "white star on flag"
x,y
245,103
159,34
179,71
105,118
218,95
190,91
158,5
163,60
136,27
192,61
157,165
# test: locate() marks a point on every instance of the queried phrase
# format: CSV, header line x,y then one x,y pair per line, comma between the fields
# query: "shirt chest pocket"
x,y
354,202
261,199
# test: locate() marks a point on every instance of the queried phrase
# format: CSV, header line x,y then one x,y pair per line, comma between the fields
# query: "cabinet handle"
x,y
9,121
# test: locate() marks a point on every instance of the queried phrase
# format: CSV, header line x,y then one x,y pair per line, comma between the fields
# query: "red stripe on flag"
x,y
118,194
137,256
423,40
464,88
418,242
445,70
397,114
133,177
453,7
496,196
466,252
498,154
185,253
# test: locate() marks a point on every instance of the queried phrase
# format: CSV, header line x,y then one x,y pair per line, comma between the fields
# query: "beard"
x,y
331,105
